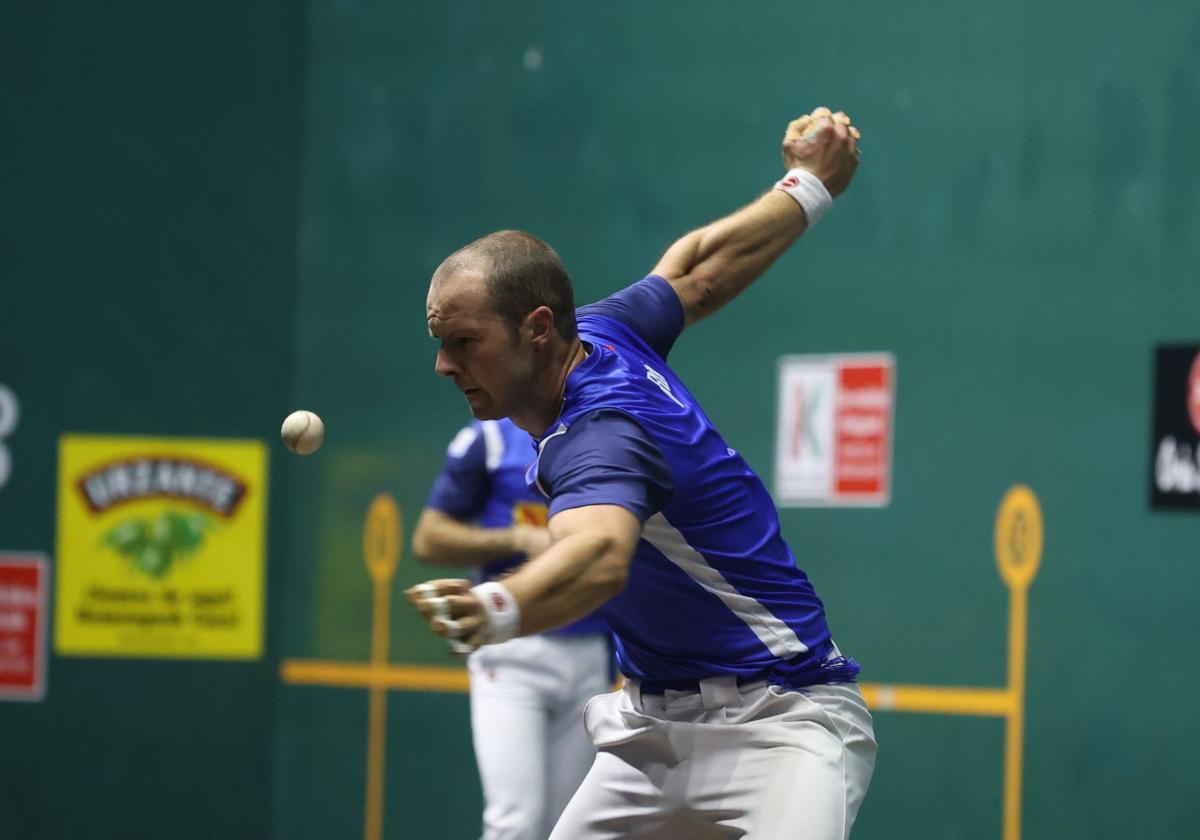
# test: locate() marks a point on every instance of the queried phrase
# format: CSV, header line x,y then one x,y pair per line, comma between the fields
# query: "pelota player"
x,y
527,694
739,716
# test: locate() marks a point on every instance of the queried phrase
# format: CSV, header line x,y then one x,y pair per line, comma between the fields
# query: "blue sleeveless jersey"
x,y
713,588
483,482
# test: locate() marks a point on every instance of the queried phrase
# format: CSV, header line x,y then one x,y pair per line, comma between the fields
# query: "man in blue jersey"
x,y
740,717
527,694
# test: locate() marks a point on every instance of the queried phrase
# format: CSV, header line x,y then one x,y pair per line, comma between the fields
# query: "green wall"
x,y
149,158
1022,232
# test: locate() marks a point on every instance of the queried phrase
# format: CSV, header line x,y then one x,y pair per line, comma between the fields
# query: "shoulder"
x,y
649,311
599,439
603,457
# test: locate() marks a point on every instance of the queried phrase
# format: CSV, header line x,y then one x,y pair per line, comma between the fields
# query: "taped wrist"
x,y
504,616
808,191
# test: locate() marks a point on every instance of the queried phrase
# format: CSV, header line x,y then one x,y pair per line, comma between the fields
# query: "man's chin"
x,y
482,410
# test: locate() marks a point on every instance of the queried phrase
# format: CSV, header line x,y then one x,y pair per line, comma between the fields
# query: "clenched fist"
x,y
826,144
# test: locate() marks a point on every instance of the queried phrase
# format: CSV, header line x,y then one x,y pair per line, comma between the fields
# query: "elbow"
x,y
424,547
432,543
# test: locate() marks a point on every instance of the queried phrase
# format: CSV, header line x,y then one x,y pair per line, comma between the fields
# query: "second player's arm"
x,y
441,539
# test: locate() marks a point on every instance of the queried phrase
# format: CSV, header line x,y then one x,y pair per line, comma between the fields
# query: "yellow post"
x,y
1014,731
381,550
1018,543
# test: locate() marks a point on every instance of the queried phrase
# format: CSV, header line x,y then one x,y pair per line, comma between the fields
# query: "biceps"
x,y
680,258
615,529
693,267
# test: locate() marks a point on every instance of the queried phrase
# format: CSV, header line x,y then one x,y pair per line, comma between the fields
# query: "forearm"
x,y
568,581
711,266
441,540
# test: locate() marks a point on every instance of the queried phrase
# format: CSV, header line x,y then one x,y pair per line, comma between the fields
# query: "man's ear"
x,y
539,325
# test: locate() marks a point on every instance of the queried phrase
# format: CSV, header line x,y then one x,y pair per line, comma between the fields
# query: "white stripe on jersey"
x,y
561,430
780,639
493,441
462,442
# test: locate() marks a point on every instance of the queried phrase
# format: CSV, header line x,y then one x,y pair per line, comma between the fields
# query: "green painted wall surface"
x,y
149,158
1023,230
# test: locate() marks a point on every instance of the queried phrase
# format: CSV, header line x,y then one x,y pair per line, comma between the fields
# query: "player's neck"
x,y
546,403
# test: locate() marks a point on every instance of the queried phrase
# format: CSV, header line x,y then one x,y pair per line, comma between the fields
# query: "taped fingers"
x,y
456,628
855,136
420,592
435,608
440,586
436,589
452,606
461,648
448,627
797,126
462,605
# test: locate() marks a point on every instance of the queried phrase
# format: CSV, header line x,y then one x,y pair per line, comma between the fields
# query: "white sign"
x,y
833,442
9,414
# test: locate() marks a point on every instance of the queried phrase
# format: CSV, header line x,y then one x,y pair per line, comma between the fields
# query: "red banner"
x,y
834,430
23,584
862,430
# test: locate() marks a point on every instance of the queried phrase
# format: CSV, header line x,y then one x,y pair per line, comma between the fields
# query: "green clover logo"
x,y
152,545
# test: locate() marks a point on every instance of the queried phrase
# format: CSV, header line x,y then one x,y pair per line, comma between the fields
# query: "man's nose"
x,y
443,365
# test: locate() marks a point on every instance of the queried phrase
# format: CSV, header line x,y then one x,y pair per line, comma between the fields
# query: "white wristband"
x,y
504,616
808,191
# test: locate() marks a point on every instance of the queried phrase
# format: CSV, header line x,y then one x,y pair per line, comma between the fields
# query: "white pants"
x,y
527,699
752,762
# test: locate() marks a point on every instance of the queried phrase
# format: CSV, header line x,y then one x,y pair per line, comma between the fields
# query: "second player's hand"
x,y
826,144
452,611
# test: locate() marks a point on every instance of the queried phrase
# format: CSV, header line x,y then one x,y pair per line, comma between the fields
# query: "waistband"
x,y
659,688
722,691
832,667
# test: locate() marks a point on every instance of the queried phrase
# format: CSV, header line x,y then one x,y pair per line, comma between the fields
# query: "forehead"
x,y
459,300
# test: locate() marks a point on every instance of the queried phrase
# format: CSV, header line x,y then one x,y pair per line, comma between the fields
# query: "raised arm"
x,y
711,266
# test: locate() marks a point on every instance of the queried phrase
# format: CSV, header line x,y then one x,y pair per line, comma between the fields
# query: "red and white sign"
x,y
834,436
1193,396
23,585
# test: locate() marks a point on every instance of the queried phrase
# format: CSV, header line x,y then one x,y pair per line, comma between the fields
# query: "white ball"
x,y
303,432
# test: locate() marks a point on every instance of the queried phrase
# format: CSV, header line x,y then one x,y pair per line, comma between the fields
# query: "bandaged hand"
x,y
466,617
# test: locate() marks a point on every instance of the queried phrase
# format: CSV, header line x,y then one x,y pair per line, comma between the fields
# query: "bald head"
x,y
520,273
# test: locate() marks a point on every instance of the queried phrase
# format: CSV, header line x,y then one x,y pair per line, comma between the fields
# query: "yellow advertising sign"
x,y
161,547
